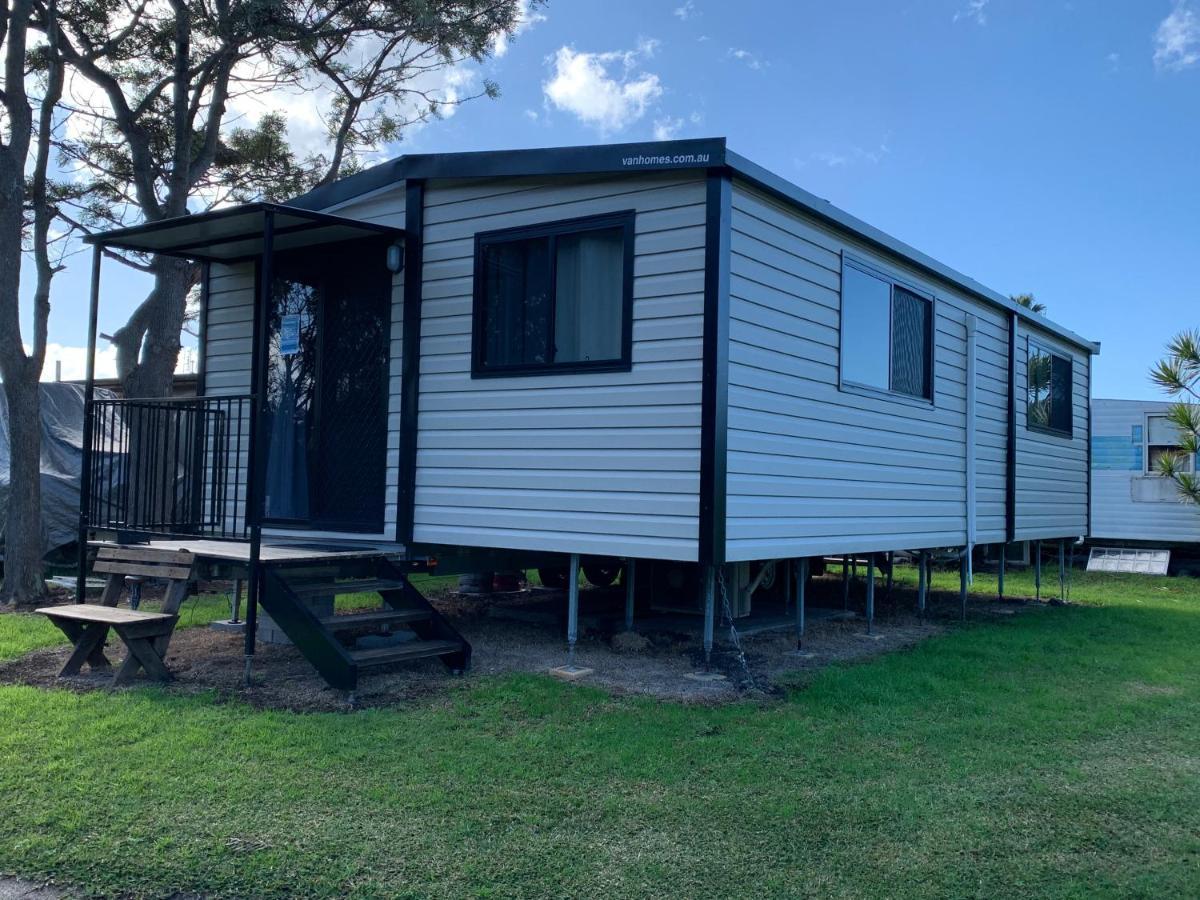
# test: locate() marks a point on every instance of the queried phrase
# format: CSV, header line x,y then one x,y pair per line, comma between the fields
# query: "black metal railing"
x,y
170,467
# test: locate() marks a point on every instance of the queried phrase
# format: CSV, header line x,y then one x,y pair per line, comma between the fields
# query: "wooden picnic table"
x,y
87,625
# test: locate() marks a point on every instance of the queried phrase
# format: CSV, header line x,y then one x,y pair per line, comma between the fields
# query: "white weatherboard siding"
x,y
1052,493
596,463
1127,504
813,469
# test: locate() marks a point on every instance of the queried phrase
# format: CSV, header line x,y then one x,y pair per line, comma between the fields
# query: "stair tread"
x,y
354,586
373,617
379,656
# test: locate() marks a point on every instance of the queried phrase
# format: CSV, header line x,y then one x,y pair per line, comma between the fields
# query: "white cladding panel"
x,y
1052,473
817,469
594,463
1127,503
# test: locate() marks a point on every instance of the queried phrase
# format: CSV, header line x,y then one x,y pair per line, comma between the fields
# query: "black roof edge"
x,y
117,236
647,156
701,153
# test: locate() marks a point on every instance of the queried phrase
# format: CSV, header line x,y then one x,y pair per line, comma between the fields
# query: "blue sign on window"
x,y
289,335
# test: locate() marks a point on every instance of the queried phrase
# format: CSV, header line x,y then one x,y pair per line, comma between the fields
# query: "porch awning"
x,y
236,233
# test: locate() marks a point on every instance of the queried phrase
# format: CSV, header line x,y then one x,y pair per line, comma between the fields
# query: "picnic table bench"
x,y
87,625
146,634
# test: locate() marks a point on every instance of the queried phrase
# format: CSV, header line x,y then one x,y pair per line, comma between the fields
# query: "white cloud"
x,y
836,159
604,90
526,19
74,362
685,12
1177,40
746,57
1114,61
666,128
531,115
974,11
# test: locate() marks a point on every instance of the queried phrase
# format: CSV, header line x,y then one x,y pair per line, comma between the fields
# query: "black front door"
x,y
327,387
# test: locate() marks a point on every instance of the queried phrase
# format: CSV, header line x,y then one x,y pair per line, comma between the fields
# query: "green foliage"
x,y
1050,753
1178,373
1028,301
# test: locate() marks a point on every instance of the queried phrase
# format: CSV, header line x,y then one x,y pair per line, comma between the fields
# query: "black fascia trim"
x,y
1010,450
714,390
626,220
410,364
700,153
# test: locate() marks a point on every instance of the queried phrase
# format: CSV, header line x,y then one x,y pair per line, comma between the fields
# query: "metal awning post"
x,y
256,496
89,393
891,573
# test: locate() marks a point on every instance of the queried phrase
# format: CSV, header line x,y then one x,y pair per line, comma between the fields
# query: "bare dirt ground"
x,y
655,660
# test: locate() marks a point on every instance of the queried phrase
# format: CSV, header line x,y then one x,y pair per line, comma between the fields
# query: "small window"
x,y
1048,386
887,334
556,297
1163,439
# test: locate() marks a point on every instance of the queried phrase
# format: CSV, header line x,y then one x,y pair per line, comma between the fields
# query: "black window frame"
x,y
1031,343
623,219
893,282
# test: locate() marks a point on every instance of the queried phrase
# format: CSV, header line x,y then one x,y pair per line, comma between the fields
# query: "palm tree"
x,y
1027,301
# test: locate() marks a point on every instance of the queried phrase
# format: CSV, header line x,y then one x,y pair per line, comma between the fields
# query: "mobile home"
x,y
1131,503
646,352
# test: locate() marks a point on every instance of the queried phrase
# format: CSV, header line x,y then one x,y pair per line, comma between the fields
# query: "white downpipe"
x,y
970,451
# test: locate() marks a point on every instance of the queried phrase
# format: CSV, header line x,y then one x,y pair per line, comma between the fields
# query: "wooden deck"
x,y
274,549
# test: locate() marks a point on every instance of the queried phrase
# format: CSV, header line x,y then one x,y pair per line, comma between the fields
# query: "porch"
x,y
290,475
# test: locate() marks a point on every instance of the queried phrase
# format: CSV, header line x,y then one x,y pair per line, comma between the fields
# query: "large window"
x,y
556,297
1048,387
887,334
1163,439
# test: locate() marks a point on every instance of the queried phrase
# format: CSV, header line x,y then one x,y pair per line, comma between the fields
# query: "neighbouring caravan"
x,y
644,352
1131,503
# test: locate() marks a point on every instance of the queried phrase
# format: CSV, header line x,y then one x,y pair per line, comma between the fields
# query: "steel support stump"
x,y
630,577
962,581
870,593
708,586
800,568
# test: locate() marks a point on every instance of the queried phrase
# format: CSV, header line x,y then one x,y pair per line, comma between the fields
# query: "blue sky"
x,y
1036,145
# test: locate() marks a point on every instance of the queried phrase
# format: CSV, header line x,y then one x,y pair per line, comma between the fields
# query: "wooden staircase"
x,y
329,642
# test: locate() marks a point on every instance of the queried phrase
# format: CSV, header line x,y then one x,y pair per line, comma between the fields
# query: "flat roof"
x,y
236,232
702,153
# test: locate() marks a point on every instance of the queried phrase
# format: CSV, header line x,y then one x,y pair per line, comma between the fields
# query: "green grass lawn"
x,y
1054,753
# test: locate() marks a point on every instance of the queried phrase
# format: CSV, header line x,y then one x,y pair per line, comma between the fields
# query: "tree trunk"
x,y
23,520
24,541
148,345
